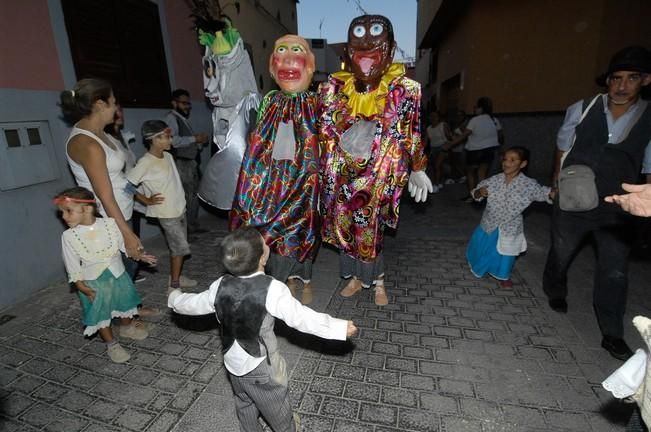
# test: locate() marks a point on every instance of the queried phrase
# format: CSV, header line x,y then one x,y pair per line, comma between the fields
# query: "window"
x,y
26,154
120,41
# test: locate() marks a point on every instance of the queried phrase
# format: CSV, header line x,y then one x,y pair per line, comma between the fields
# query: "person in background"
x,y
613,138
438,133
483,135
457,157
187,146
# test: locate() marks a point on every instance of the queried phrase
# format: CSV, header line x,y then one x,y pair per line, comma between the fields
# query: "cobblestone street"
x,y
449,353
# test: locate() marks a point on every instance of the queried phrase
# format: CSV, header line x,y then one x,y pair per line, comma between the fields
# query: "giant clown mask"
x,y
370,49
292,64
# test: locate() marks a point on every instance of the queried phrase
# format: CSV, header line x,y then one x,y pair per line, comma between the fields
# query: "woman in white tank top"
x,y
95,158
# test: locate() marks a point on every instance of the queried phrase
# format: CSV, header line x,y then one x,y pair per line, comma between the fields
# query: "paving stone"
x,y
348,372
186,396
311,403
460,424
390,325
417,382
417,352
339,408
207,371
418,421
14,403
349,426
15,358
392,396
103,410
455,387
568,420
39,415
316,423
164,422
169,383
327,386
523,416
123,392
447,331
483,410
438,403
362,392
434,341
386,348
75,401
401,364
378,414
25,384
160,402
401,316
367,360
482,335
84,380
469,346
134,419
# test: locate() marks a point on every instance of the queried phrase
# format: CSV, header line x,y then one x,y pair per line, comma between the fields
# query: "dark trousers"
x,y
612,238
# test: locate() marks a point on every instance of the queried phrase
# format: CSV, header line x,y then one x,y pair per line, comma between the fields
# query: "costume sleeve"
x,y
202,303
281,304
71,260
177,141
537,192
565,136
416,146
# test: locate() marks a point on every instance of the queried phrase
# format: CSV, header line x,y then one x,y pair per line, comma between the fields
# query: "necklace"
x,y
91,248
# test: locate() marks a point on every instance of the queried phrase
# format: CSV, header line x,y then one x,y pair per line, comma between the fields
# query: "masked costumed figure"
x,y
278,186
231,88
370,133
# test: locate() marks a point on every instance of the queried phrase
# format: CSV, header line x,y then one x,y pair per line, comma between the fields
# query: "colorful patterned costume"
x,y
361,196
279,196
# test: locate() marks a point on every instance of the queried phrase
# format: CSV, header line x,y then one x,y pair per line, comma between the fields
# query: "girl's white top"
x,y
436,135
484,132
115,161
504,207
88,250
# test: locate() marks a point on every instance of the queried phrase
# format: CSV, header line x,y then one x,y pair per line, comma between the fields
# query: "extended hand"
x,y
351,330
419,185
149,259
90,294
637,202
155,199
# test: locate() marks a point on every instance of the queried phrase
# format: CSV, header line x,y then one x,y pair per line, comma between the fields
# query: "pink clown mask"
x,y
292,64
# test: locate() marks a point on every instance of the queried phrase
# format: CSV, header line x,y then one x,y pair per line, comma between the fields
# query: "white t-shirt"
x,y
159,176
484,132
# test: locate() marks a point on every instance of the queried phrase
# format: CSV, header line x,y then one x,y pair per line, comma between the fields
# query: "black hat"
x,y
633,58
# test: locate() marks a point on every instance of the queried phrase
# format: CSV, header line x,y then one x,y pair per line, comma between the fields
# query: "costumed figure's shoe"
x,y
381,296
617,347
354,286
306,297
293,285
558,305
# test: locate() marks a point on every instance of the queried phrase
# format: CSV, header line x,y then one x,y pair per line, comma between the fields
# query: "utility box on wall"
x,y
26,155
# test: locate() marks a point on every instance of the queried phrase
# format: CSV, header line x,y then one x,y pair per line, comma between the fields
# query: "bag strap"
x,y
583,116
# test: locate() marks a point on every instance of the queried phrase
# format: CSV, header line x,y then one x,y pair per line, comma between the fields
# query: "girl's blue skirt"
x,y
483,257
114,298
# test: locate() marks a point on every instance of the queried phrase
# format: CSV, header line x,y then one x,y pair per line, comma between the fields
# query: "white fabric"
x,y
643,394
617,129
157,175
88,250
436,135
484,132
625,381
115,161
458,148
504,207
279,303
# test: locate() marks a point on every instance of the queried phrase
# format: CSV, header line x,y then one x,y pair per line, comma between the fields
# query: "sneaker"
x,y
116,353
354,286
184,282
381,296
449,181
307,296
139,279
506,284
135,330
461,179
297,422
440,186
435,189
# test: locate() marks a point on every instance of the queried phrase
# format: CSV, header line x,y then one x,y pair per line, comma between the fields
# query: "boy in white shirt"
x,y
163,195
246,302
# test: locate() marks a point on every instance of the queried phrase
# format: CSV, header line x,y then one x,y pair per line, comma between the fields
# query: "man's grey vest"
x,y
240,308
190,152
613,164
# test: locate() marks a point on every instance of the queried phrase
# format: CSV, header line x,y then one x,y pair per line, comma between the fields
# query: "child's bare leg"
x,y
176,265
353,286
106,334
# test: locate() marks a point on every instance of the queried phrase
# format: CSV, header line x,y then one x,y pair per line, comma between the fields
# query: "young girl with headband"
x,y
91,253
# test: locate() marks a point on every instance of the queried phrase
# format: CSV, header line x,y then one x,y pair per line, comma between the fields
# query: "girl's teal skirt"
x,y
483,257
114,298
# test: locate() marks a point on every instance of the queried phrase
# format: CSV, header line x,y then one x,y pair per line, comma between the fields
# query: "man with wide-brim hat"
x,y
611,134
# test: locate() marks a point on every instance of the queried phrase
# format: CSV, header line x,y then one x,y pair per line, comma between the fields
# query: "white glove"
x,y
419,185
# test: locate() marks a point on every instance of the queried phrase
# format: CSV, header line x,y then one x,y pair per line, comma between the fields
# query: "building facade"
x,y
532,58
40,59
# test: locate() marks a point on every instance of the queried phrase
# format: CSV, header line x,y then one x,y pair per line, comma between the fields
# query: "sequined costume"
x,y
361,194
278,194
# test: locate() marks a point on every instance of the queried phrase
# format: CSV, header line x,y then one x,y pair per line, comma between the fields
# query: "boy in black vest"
x,y
246,303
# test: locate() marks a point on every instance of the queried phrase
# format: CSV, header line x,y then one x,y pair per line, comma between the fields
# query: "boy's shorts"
x,y
176,234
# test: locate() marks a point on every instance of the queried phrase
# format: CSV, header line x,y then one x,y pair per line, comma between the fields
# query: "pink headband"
x,y
61,199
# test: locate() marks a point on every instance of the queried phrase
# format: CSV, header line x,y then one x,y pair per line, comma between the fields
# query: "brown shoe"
x,y
353,287
293,284
306,297
148,311
381,296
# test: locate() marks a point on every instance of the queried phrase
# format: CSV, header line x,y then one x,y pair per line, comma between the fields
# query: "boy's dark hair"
x,y
180,92
79,193
522,152
78,102
486,105
151,128
241,251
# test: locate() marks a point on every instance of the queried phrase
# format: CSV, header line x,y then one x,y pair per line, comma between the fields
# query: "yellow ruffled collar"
x,y
372,103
